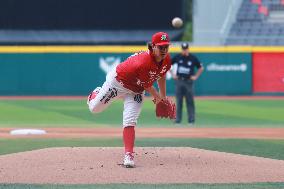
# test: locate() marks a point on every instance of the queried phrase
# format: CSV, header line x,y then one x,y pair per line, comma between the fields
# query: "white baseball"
x,y
177,22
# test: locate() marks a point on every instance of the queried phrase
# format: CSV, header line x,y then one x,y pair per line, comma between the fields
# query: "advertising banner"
x,y
268,72
54,73
225,74
79,73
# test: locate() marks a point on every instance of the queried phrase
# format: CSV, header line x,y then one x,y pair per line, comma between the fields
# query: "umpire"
x,y
184,76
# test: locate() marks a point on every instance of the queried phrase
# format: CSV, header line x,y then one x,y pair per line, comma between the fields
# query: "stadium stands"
x,y
258,22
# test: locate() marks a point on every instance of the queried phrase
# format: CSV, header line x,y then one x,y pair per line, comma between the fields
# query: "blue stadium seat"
x,y
254,28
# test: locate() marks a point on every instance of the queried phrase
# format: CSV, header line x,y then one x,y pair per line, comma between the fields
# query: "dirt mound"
x,y
153,165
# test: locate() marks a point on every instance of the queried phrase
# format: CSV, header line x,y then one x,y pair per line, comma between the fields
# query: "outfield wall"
x,y
268,72
75,70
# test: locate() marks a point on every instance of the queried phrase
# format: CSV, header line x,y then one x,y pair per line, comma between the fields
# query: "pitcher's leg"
x,y
132,109
103,98
129,138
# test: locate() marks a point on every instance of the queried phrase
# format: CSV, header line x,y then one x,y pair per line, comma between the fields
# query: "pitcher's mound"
x,y
153,165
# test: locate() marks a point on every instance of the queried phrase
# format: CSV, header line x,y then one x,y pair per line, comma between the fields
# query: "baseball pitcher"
x,y
129,80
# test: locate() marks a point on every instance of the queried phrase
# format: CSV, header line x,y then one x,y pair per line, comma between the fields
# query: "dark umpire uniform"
x,y
184,80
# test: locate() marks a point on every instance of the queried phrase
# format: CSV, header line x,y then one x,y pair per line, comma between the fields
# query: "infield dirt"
x,y
153,165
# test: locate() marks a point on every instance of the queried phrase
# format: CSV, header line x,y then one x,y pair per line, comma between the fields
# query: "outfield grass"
x,y
74,113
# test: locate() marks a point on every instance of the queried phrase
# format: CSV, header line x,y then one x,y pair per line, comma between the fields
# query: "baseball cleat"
x,y
93,94
128,160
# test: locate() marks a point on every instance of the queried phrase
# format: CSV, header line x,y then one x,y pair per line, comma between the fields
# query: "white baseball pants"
x,y
112,90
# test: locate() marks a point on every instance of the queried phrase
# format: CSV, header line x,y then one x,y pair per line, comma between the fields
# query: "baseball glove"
x,y
166,109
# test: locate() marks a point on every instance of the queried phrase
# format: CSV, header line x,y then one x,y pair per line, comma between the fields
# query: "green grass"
x,y
8,146
74,113
262,148
242,112
150,186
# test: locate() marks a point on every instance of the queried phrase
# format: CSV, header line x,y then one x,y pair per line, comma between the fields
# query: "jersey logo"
x,y
164,37
138,98
152,75
164,69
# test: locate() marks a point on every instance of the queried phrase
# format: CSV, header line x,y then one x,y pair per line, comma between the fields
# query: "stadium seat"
x,y
254,24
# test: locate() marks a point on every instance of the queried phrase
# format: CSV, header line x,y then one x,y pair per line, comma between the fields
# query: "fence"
x,y
75,70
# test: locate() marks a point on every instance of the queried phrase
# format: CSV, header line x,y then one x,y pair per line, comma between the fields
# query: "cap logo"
x,y
163,37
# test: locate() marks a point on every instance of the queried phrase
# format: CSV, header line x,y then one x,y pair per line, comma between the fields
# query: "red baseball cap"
x,y
160,38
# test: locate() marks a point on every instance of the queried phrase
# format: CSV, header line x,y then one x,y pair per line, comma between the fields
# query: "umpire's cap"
x,y
184,45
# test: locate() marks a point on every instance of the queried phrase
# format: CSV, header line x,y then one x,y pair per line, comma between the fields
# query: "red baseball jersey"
x,y
140,71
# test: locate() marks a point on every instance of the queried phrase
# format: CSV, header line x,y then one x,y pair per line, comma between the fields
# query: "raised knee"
x,y
94,109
